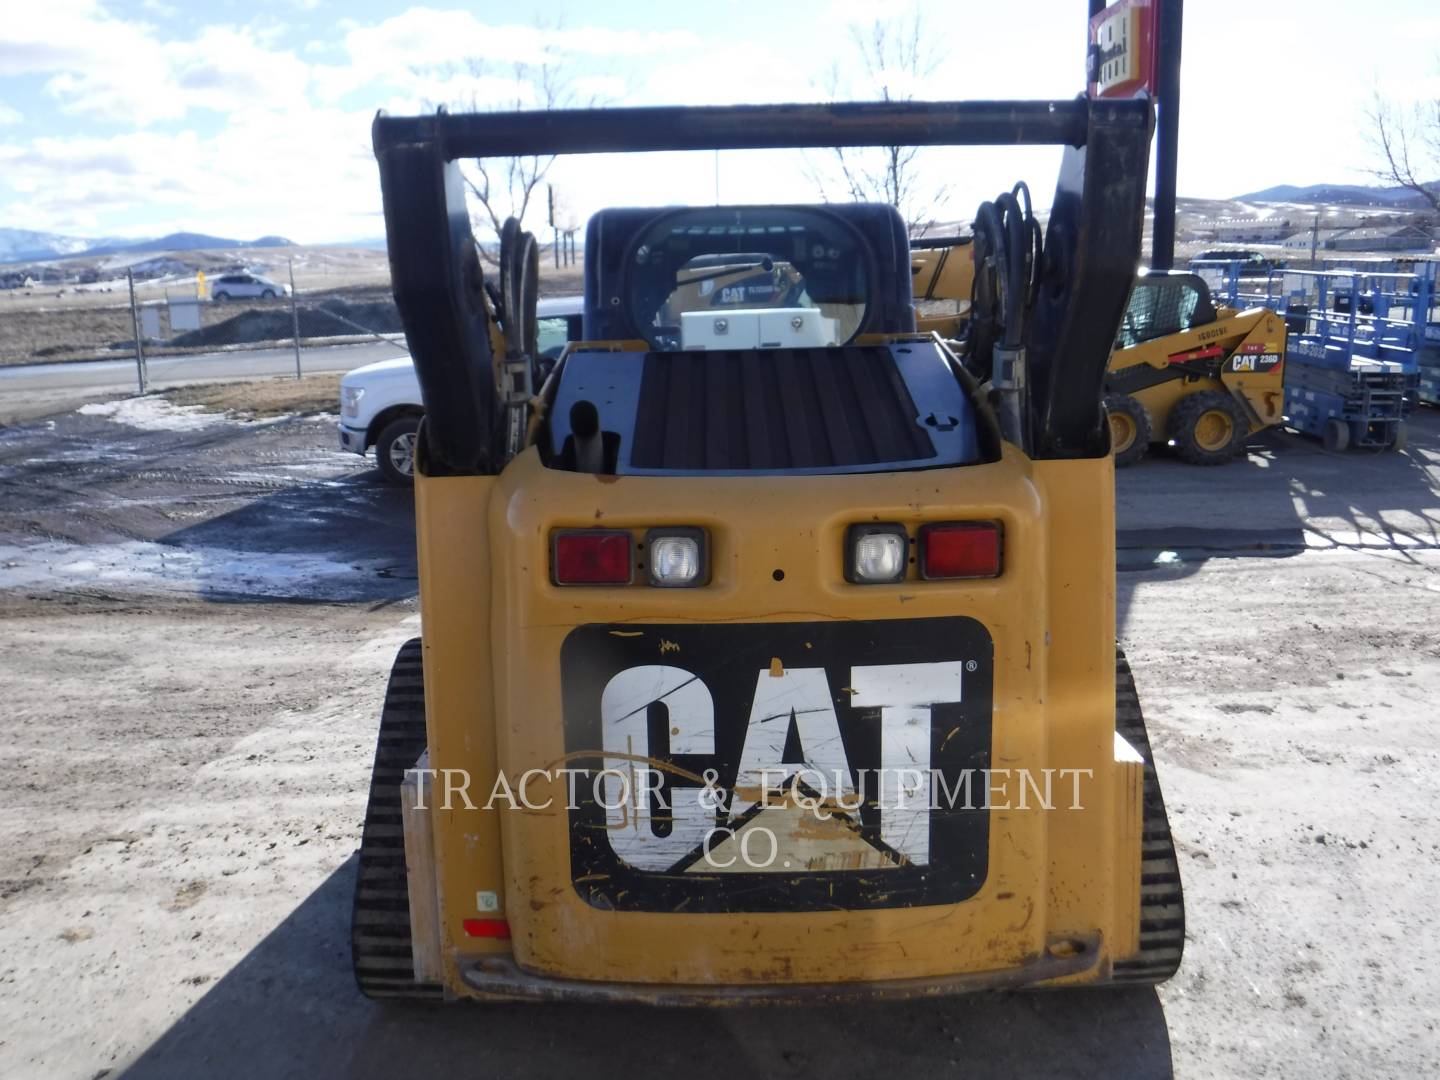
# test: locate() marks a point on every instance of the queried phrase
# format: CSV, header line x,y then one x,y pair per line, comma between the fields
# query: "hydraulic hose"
x,y
1009,246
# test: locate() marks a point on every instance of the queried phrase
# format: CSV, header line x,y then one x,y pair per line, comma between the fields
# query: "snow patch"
x,y
153,413
150,567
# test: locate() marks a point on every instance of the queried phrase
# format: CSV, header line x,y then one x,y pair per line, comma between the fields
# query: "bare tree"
x,y
1407,146
505,187
895,56
509,187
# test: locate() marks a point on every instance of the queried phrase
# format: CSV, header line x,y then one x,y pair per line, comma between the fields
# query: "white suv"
x,y
380,403
245,287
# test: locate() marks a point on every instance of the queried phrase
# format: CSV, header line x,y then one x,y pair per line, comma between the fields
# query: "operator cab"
x,y
752,339
1162,303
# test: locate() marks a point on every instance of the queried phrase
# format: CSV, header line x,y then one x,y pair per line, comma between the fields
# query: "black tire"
x,y
220,297
1129,428
268,294
1336,435
380,950
395,450
1208,428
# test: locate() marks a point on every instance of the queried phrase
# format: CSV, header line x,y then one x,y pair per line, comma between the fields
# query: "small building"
x,y
1251,230
1384,238
1324,240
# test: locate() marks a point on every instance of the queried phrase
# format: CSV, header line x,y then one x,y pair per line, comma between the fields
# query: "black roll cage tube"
x,y
1092,242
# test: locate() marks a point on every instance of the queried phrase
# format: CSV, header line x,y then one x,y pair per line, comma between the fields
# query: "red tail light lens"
x,y
963,549
591,557
491,928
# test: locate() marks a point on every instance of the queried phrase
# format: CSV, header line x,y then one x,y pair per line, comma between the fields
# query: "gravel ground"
x,y
196,619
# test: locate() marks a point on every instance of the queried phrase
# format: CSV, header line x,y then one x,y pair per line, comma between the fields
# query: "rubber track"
x,y
1162,902
380,921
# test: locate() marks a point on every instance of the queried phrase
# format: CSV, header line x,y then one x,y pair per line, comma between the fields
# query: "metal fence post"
x,y
135,323
295,317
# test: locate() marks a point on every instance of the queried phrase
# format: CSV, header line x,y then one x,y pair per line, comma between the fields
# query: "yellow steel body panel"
x,y
493,625
943,273
939,274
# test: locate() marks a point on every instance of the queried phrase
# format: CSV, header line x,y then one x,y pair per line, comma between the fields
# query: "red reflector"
x,y
968,549
496,928
593,557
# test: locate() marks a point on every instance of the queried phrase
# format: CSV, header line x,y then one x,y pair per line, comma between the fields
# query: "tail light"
x,y
591,557
491,928
961,549
677,557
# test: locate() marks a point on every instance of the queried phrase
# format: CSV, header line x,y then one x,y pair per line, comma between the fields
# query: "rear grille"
x,y
776,409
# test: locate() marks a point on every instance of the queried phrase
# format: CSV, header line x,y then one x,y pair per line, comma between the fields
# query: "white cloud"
x,y
306,173
112,70
415,50
169,120
424,36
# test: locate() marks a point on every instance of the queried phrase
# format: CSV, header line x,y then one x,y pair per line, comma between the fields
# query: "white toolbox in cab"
x,y
757,328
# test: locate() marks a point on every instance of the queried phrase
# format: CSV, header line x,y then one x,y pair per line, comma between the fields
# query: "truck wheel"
x,y
1402,437
1129,428
1208,428
1336,435
395,450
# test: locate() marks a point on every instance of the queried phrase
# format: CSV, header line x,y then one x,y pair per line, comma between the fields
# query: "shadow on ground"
x,y
291,1008
1287,493
348,539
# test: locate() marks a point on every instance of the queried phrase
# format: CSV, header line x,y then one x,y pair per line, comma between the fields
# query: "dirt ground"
x,y
258,399
197,614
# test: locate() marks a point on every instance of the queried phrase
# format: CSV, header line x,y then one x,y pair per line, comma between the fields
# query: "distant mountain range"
x,y
26,245
1398,198
17,245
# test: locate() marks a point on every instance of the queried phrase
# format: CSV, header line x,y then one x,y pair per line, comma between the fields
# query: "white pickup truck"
x,y
380,403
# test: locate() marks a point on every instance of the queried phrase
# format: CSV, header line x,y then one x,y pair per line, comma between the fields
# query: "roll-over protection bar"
x,y
1092,241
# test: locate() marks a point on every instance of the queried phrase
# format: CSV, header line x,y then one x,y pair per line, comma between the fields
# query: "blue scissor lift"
x,y
1357,346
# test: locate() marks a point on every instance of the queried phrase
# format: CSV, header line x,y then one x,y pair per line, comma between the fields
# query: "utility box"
x,y
150,322
184,315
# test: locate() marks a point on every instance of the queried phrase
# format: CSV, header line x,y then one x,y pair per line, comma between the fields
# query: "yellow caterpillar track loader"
x,y
767,648
1185,372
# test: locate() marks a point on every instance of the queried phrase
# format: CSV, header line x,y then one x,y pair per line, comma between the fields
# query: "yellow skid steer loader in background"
x,y
1185,372
942,279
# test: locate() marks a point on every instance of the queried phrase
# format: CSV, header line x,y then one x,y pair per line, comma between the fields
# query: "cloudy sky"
x,y
248,117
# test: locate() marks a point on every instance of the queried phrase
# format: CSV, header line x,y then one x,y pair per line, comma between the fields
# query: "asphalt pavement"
x,y
170,370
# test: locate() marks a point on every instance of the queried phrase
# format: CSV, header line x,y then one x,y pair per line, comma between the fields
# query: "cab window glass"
x,y
1157,309
551,335
748,277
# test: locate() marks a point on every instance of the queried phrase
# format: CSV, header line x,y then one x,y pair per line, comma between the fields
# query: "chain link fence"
x,y
60,321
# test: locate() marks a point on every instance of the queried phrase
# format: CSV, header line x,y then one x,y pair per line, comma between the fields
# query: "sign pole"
x,y
295,317
135,323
